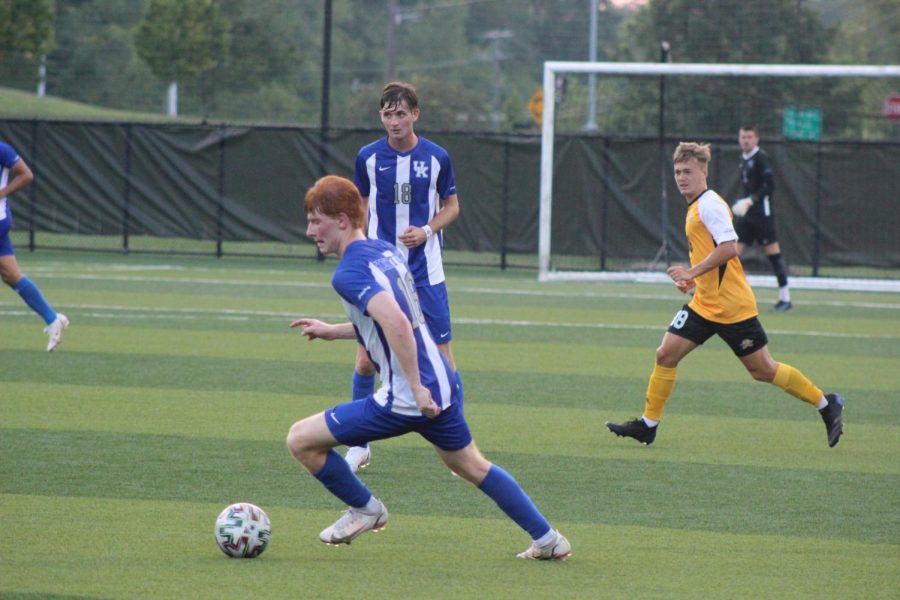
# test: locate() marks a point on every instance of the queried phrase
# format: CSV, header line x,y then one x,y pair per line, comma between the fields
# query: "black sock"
x,y
780,268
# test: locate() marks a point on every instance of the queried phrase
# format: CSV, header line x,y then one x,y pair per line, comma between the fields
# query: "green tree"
x,y
182,39
867,34
726,31
257,78
94,60
26,27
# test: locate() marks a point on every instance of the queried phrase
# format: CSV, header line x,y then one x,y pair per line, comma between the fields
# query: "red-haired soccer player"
x,y
420,390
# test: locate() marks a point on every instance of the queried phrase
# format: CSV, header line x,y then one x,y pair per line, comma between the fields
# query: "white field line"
x,y
187,280
118,312
669,297
467,290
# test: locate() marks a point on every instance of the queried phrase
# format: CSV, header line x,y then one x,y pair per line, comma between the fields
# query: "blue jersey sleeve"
x,y
356,285
361,176
8,155
446,183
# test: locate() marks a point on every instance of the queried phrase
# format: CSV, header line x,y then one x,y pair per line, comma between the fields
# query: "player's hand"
x,y
680,275
685,286
313,328
740,207
425,403
412,237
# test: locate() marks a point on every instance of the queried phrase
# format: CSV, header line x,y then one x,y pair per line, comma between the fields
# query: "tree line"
x,y
476,62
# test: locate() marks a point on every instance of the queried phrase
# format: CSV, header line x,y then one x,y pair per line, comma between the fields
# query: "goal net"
x,y
609,208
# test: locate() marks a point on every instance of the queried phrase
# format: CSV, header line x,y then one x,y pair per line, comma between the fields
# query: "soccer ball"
x,y
243,530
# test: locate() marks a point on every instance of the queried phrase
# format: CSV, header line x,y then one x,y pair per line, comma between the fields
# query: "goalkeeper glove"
x,y
741,207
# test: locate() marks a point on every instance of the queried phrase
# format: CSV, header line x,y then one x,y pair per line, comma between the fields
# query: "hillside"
x,y
16,104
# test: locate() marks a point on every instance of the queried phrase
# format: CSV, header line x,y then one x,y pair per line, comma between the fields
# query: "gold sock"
x,y
796,384
662,380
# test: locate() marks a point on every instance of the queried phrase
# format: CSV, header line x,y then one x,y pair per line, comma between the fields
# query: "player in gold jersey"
x,y
723,304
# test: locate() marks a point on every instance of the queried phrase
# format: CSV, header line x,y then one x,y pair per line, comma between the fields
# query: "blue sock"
x,y
512,499
34,299
363,386
337,477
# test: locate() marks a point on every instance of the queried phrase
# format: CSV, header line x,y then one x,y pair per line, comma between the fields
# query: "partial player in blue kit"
x,y
13,164
410,190
420,390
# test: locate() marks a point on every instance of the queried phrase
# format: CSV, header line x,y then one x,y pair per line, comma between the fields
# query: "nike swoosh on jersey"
x,y
383,168
334,417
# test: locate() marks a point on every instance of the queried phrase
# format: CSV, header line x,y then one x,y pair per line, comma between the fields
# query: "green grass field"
x,y
17,104
179,378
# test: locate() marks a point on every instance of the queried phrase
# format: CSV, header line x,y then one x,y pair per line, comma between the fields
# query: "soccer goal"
x,y
609,209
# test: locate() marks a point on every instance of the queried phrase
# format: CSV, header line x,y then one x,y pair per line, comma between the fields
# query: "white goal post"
x,y
547,271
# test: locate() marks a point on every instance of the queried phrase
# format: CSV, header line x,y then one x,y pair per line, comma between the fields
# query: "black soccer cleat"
x,y
636,429
782,306
832,414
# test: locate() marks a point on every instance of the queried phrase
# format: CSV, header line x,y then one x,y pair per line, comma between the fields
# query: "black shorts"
x,y
756,227
743,337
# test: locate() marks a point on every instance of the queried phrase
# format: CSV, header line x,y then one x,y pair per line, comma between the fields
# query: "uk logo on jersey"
x,y
420,168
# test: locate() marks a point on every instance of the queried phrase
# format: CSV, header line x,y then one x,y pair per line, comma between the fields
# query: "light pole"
x,y
591,123
494,36
395,17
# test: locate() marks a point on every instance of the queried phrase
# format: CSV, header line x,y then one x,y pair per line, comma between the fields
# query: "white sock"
x,y
650,422
822,403
784,294
373,506
547,538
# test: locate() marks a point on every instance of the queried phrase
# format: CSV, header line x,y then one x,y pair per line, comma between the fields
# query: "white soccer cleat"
x,y
353,524
358,457
55,331
558,549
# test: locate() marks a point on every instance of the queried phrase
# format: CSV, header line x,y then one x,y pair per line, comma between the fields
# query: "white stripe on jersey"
x,y
401,221
393,380
432,249
4,176
373,195
434,356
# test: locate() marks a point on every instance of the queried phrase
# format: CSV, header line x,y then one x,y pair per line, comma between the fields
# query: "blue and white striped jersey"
x,y
367,268
8,158
404,189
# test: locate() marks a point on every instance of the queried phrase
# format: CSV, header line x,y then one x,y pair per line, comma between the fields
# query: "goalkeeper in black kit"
x,y
755,219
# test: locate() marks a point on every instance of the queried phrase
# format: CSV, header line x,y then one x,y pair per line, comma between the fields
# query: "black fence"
x,y
224,189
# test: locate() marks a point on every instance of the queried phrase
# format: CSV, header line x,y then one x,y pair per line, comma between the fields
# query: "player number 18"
x,y
402,193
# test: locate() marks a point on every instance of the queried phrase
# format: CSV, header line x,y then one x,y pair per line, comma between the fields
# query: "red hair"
x,y
332,195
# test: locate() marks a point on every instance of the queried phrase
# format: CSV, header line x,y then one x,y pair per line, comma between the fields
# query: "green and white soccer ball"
x,y
243,530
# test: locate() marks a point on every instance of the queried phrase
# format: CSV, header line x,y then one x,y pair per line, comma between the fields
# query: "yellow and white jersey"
x,y
722,295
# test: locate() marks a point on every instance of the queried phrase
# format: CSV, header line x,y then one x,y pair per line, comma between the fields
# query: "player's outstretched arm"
x,y
315,329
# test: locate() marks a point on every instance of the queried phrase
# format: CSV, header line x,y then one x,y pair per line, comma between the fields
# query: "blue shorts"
x,y
362,421
6,246
436,308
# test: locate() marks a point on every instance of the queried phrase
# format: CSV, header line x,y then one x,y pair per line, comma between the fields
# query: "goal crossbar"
x,y
553,68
